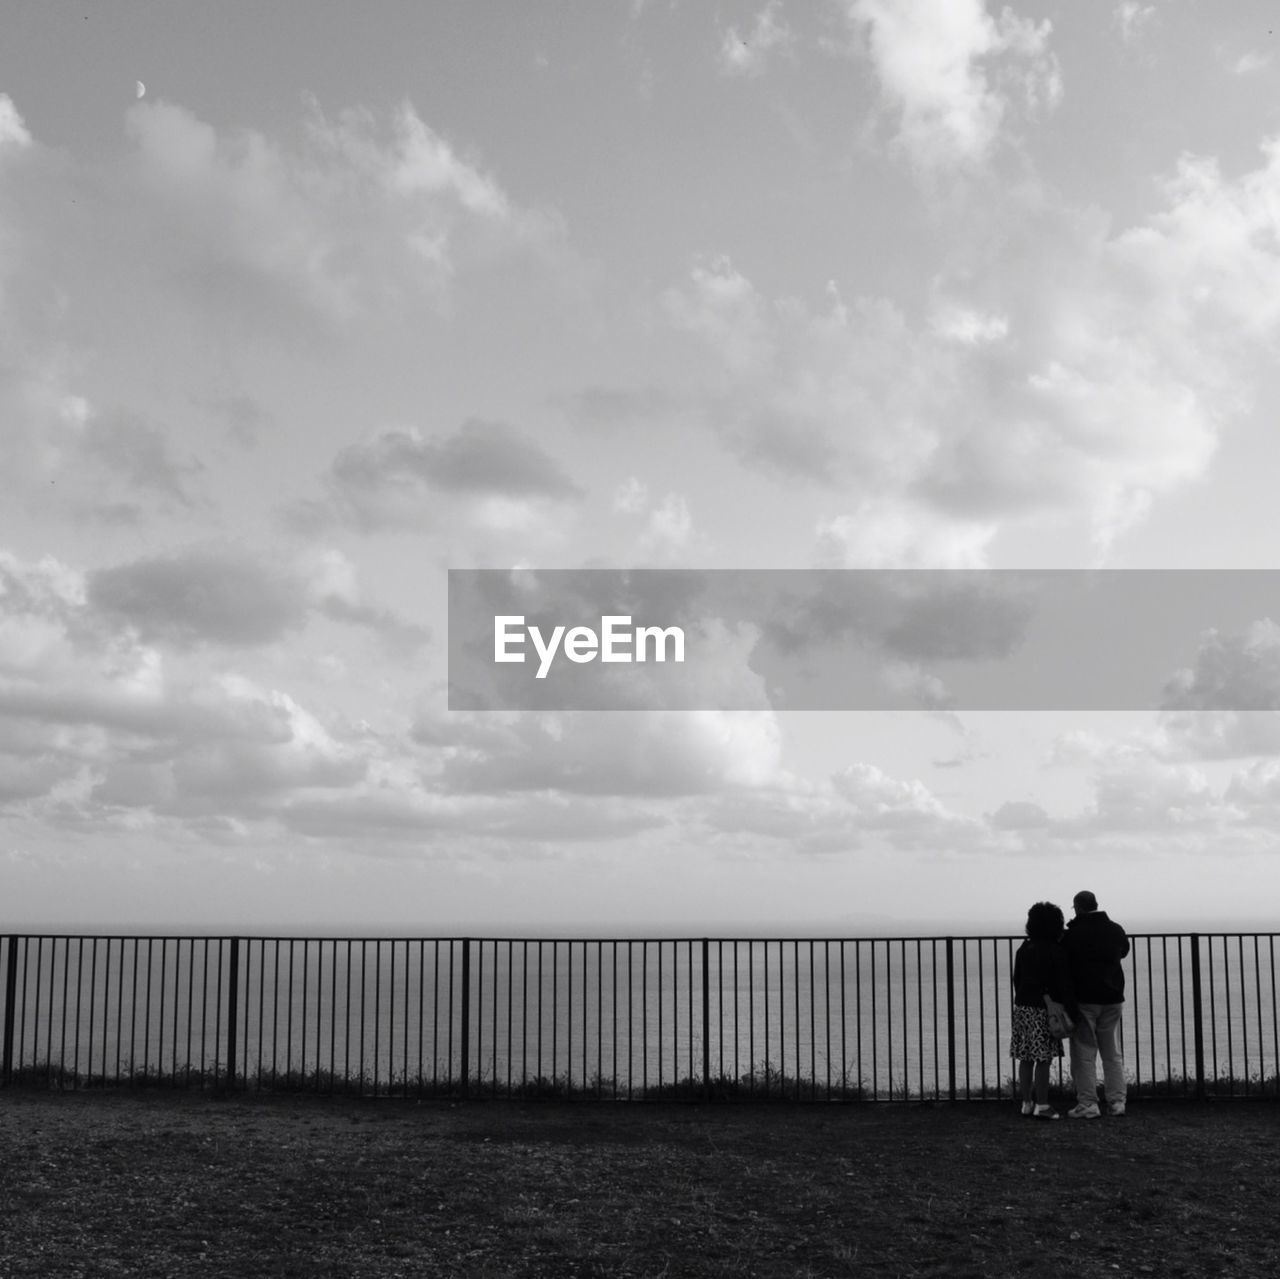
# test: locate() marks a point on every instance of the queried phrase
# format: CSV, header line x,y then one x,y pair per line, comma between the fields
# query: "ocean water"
x,y
892,1017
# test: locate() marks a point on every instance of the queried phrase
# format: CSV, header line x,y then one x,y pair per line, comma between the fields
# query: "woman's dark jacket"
x,y
1040,968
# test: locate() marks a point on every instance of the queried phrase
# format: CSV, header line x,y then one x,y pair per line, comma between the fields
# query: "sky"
x,y
303,305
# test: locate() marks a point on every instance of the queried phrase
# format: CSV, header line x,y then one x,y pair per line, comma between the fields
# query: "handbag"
x,y
1060,1023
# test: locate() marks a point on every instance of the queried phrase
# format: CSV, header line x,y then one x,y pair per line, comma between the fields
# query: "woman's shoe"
x,y
1027,1108
1046,1112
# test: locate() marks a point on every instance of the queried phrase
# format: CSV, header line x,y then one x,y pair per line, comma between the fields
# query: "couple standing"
x,y
1079,967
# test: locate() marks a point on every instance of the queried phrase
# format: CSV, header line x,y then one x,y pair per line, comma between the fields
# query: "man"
x,y
1095,946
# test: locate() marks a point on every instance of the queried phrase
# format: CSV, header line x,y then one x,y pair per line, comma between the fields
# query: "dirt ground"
x,y
171,1184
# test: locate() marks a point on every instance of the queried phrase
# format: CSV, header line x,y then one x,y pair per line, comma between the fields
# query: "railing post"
x,y
10,1008
706,1019
951,1018
1197,1014
466,1015
233,1011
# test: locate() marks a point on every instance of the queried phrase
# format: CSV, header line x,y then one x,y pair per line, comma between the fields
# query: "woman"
x,y
1039,968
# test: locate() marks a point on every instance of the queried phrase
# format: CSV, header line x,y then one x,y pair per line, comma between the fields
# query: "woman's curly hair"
x,y
1045,922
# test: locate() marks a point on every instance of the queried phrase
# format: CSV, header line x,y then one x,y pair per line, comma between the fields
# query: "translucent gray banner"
x,y
813,639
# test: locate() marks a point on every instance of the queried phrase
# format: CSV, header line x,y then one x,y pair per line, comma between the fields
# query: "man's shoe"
x,y
1028,1107
1116,1108
1085,1110
1046,1112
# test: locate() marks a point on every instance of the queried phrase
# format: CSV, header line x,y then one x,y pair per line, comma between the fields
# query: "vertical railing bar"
x,y
22,1020
813,1026
857,1012
302,1035
875,1030
146,1039
524,1012
422,1007
48,1025
1275,1014
920,1013
826,984
1244,1015
92,1009
1197,1012
1257,993
75,1073
364,994
555,1007
644,1016
659,1043
11,1009
568,1053
888,1016
320,1072
479,1033
1187,1070
233,996
951,1018
217,1021
844,1030
706,1018
66,975
631,1046
435,1017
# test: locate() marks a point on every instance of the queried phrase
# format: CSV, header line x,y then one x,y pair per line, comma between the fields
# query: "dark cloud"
x,y
481,457
201,597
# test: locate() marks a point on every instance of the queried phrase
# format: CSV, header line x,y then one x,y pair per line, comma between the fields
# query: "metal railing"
x,y
884,1019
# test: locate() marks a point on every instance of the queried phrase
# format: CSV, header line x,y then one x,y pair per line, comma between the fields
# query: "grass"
x,y
764,1083
165,1182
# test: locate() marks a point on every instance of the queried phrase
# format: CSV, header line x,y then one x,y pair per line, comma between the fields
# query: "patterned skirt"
x,y
1031,1040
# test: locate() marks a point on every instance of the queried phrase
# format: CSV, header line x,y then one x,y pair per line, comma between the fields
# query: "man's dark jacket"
x,y
1095,945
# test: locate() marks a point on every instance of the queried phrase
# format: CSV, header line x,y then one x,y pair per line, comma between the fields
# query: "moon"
x,y
141,88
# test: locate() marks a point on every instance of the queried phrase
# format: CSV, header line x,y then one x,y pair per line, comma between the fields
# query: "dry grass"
x,y
172,1184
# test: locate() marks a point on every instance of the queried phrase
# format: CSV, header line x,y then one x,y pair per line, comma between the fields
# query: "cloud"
x,y
399,476
13,130
101,464
1133,18
1062,369
750,54
200,597
892,535
602,753
355,212
1250,62
953,75
1236,672
1019,815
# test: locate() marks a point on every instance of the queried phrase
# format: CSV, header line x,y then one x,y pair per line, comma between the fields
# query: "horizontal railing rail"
x,y
880,1018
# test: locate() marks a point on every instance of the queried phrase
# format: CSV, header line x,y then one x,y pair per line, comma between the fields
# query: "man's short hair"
x,y
1085,900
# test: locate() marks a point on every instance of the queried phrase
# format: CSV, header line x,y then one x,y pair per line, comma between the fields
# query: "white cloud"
x,y
1250,62
882,534
953,74
723,306
1063,370
751,53
668,529
1133,18
13,130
